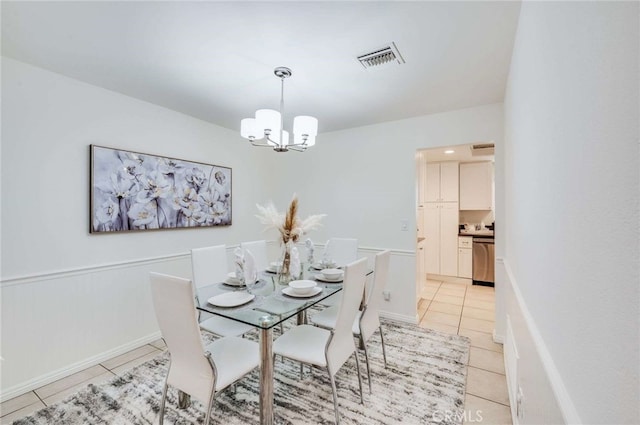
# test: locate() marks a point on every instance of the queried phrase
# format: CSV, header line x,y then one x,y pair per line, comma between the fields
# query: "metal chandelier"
x,y
267,128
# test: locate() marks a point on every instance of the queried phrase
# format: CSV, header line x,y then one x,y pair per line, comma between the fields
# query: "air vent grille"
x,y
482,149
387,54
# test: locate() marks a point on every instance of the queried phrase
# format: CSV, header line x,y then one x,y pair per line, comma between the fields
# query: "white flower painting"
x,y
134,191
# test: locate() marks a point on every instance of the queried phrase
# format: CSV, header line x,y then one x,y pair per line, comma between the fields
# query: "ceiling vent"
x,y
483,149
387,54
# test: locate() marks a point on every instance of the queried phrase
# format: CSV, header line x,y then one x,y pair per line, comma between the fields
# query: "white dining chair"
x,y
196,370
342,251
209,265
325,348
259,251
367,321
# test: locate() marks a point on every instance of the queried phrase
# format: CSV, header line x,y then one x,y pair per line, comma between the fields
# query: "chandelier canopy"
x,y
267,128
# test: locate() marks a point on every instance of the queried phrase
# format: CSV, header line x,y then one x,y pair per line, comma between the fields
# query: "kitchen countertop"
x,y
485,233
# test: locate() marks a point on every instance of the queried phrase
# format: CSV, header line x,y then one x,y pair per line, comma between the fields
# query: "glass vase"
x,y
284,277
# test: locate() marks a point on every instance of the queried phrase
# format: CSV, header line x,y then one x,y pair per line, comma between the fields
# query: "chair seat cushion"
x,y
303,343
222,326
234,357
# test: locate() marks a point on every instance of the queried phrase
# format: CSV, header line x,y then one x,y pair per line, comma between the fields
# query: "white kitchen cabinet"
x,y
420,222
421,272
441,233
465,257
441,183
476,186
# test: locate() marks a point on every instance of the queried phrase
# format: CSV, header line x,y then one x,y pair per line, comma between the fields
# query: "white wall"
x,y
571,202
364,180
69,297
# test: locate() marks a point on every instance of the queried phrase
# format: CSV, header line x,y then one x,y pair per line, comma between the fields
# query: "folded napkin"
x,y
310,248
294,264
239,263
250,271
326,254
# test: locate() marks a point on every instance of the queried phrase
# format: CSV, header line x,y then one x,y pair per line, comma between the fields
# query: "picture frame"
x,y
133,191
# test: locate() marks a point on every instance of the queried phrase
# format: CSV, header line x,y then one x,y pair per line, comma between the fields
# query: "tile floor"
x,y
462,309
455,308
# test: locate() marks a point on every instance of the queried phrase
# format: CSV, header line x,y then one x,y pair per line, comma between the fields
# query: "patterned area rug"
x,y
424,384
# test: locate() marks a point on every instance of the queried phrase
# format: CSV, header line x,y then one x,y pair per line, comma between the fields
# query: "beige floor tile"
x,y
433,283
456,292
478,313
454,285
445,308
449,299
127,357
427,295
18,403
159,344
481,296
488,385
444,318
439,327
487,360
59,396
27,410
135,362
69,381
485,305
479,289
490,412
481,340
477,324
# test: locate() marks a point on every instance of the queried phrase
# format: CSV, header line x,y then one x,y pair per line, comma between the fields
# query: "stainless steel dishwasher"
x,y
483,260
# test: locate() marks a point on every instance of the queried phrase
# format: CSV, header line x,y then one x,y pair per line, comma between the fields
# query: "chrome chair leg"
x,y
359,376
209,406
384,353
335,396
301,370
366,359
164,399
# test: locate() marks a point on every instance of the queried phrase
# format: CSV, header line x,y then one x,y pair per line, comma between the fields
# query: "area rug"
x,y
423,384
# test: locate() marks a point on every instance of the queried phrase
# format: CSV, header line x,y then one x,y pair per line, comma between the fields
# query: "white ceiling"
x,y
215,60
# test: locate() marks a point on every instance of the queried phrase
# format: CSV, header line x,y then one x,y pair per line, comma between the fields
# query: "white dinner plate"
x,y
231,299
270,270
289,291
321,278
234,282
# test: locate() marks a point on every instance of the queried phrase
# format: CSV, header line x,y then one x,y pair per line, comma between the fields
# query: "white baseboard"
x,y
39,381
498,339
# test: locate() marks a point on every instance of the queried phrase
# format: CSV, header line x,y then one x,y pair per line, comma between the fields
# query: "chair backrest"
x,y
190,370
341,345
259,251
342,250
209,265
370,319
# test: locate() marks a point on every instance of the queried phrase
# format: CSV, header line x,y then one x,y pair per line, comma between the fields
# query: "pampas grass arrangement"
x,y
290,227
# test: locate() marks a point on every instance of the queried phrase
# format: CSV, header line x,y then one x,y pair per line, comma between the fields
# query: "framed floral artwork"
x,y
132,191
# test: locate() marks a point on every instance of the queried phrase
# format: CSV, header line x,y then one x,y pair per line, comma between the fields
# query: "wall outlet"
x,y
386,295
404,225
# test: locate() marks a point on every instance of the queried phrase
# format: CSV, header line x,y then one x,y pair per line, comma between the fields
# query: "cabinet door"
x,y
420,222
465,263
449,239
432,238
449,181
432,182
422,273
476,186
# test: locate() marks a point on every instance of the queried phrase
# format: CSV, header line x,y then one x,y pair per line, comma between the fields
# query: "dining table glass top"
x,y
269,305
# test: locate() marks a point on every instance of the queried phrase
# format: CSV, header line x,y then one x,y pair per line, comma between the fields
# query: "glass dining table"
x,y
269,307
